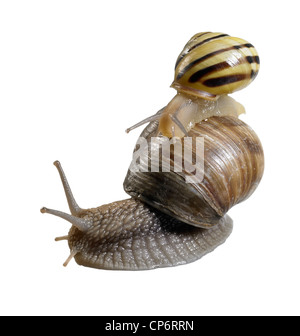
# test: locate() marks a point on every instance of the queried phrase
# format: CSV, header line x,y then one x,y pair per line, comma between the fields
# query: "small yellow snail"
x,y
168,221
210,66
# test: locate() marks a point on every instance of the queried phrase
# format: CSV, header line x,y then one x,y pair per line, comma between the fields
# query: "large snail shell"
x,y
233,167
212,64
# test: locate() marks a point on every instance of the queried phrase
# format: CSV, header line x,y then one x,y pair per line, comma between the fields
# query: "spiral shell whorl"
x,y
212,64
233,167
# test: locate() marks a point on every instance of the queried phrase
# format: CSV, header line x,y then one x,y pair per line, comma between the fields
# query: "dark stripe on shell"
x,y
208,40
195,77
253,74
180,57
246,45
199,35
225,80
252,59
214,53
197,45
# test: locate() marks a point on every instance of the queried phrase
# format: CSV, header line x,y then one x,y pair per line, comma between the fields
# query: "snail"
x,y
130,235
210,66
176,214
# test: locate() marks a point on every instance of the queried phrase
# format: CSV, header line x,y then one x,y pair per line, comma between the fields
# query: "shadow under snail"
x,y
167,221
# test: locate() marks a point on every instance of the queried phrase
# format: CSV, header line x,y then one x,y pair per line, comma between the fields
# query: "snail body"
x,y
210,66
184,111
177,212
130,235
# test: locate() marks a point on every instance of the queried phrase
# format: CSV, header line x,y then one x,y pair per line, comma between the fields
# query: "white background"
x,y
73,76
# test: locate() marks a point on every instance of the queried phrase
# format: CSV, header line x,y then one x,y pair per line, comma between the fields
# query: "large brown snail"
x,y
177,214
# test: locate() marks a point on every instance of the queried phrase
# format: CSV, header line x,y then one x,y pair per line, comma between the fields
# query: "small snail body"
x,y
174,217
210,66
184,111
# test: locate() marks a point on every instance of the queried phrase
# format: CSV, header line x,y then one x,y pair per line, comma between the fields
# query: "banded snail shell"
x,y
233,167
212,64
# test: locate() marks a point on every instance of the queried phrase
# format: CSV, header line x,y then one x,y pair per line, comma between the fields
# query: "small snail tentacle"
x,y
154,117
178,123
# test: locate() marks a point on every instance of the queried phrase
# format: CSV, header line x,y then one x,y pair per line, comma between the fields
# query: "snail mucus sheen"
x,y
173,218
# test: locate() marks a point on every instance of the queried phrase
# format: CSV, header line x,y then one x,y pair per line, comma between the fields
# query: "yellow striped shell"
x,y
212,64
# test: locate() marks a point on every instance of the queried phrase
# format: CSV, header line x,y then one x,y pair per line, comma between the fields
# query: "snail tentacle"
x,y
154,117
62,238
70,257
81,223
175,119
73,206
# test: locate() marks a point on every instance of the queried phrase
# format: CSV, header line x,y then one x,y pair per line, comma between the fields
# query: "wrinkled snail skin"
x,y
233,168
167,221
130,235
